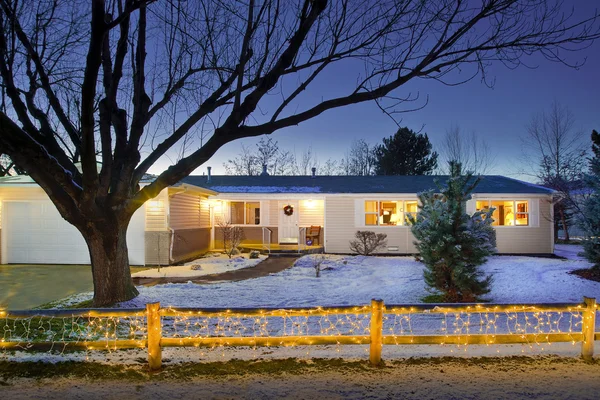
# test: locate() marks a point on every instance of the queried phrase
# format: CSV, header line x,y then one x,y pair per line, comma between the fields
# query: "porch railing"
x,y
301,238
374,324
266,239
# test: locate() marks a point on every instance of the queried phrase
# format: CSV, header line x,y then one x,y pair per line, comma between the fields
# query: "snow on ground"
x,y
569,251
355,280
214,263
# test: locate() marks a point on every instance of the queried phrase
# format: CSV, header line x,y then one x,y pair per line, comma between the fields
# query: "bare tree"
x,y
359,159
268,153
245,163
329,168
125,83
472,151
232,237
308,160
368,242
556,155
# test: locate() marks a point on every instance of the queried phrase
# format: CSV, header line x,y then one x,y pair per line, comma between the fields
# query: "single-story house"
x,y
183,221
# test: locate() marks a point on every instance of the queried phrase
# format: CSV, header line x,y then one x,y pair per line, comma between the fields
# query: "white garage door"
x,y
35,233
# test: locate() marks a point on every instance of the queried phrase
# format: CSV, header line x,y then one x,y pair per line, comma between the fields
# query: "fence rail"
x,y
375,324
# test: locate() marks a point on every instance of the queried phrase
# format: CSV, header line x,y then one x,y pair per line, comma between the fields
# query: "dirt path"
x,y
269,266
439,379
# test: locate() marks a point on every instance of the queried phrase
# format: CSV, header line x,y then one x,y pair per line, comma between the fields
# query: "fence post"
x,y
589,327
376,331
154,335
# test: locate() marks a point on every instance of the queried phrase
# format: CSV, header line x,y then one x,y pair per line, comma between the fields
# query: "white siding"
x,y
311,212
184,211
273,213
156,212
204,213
345,215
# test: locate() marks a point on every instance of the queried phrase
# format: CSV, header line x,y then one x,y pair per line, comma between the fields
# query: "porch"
x,y
283,248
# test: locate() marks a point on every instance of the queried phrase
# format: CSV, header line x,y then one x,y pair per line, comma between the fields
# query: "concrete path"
x,y
271,265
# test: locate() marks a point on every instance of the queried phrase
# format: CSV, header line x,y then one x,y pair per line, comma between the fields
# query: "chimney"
x,y
264,173
314,172
208,178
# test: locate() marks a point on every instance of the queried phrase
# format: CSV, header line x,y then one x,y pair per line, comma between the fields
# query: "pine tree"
x,y
405,153
453,244
591,208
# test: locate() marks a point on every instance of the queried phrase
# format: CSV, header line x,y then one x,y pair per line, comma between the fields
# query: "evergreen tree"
x,y
453,244
591,208
405,153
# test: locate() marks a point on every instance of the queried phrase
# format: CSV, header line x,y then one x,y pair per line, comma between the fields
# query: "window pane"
x,y
412,206
481,205
253,213
237,212
522,219
504,213
522,206
370,219
371,207
388,213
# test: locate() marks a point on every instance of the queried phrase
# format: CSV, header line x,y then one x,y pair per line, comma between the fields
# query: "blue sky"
x,y
498,114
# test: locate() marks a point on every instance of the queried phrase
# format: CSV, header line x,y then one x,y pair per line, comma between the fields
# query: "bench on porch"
x,y
314,233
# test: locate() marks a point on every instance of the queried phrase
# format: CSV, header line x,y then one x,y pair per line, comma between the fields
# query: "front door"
x,y
288,222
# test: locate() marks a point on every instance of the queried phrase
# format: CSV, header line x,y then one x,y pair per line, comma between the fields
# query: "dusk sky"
x,y
498,114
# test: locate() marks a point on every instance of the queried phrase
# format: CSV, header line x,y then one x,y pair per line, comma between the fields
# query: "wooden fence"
x,y
152,328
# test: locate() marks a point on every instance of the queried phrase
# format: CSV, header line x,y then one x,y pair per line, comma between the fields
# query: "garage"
x,y
33,232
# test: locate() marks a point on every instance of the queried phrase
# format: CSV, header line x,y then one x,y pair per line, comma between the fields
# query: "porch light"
x,y
310,204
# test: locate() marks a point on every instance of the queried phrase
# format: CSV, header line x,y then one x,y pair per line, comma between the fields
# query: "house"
x,y
182,222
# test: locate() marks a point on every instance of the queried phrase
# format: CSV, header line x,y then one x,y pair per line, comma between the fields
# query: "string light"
x,y
453,325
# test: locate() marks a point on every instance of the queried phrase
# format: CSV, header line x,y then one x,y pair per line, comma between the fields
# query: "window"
x,y
245,212
507,212
389,212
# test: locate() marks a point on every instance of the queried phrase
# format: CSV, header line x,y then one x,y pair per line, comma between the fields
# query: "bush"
x,y
254,254
232,237
367,242
453,244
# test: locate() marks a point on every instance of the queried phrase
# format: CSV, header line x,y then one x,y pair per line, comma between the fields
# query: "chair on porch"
x,y
314,233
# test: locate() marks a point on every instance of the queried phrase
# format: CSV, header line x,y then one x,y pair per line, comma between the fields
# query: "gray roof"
x,y
353,184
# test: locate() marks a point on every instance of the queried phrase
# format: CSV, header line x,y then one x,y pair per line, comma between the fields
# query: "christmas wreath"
x,y
288,210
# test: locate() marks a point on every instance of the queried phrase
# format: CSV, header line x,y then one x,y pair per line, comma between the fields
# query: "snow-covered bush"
x,y
453,244
367,242
254,254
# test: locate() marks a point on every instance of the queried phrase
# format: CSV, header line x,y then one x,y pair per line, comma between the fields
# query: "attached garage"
x,y
33,232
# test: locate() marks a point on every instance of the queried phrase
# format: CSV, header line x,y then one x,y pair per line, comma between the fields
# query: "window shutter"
x,y
359,213
264,213
534,212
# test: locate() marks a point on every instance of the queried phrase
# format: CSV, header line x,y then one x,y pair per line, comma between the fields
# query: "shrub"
x,y
453,244
232,237
368,242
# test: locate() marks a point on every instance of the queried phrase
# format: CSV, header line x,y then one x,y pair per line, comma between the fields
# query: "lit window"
x,y
245,213
507,212
388,212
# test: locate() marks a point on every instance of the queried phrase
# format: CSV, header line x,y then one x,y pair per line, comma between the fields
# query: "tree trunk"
x,y
110,263
564,224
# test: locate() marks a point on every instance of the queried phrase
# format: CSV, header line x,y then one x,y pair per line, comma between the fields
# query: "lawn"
x,y
355,280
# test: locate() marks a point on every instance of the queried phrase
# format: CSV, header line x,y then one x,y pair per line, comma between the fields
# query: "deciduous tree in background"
x,y
124,83
405,153
472,151
557,151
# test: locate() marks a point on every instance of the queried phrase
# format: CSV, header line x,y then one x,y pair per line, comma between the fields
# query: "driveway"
x,y
28,286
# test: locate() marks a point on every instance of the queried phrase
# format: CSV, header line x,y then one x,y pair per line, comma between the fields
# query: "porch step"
x,y
284,250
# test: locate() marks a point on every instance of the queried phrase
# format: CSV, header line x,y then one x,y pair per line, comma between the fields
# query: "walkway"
x,y
271,265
